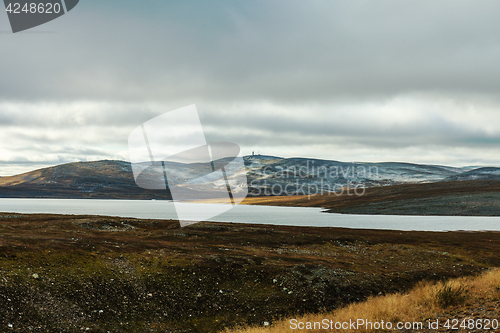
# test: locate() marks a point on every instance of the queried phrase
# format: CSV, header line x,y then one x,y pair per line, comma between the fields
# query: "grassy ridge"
x,y
468,198
459,301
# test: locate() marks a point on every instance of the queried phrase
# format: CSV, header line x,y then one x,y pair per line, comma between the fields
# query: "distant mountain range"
x,y
267,175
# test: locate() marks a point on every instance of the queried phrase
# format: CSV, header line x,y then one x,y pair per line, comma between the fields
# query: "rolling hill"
x,y
266,175
101,179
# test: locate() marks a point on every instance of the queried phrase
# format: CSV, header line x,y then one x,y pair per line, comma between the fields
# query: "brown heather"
x,y
477,298
68,273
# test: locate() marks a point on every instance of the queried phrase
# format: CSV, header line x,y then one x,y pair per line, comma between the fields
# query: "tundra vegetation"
x,y
466,304
67,273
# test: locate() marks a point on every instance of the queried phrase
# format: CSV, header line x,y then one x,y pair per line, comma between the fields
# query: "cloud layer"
x,y
354,80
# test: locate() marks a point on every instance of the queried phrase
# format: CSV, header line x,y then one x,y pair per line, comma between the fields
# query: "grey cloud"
x,y
288,74
370,126
75,113
236,50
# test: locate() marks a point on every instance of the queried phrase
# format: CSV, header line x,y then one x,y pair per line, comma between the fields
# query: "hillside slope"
x,y
461,198
266,176
101,179
269,175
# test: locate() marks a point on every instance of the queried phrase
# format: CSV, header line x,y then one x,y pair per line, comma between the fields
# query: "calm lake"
x,y
297,216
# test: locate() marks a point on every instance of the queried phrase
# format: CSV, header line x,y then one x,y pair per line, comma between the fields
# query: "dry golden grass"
x,y
418,305
19,179
284,200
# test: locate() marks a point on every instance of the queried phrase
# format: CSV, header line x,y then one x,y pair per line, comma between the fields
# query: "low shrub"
x,y
449,295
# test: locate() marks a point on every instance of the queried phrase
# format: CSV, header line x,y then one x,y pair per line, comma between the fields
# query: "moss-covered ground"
x,y
108,274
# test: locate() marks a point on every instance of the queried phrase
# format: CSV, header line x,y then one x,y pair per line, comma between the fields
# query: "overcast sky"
x,y
413,81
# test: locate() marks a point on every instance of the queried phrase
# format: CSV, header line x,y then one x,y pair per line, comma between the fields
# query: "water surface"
x,y
296,216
